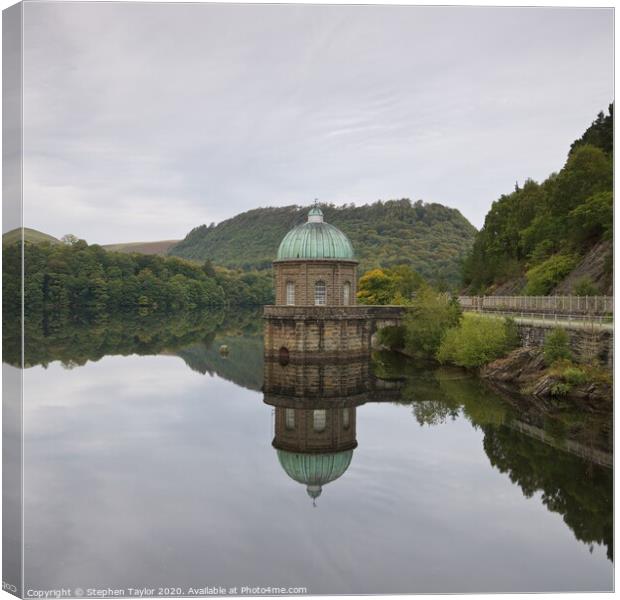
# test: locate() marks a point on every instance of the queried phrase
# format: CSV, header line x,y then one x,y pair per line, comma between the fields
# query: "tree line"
x,y
78,281
541,230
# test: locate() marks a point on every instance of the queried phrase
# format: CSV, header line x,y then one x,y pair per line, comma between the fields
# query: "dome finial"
x,y
316,214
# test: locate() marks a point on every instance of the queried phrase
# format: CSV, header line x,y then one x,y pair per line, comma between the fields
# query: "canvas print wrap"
x,y
306,300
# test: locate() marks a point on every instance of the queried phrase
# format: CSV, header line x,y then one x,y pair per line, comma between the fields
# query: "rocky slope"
x,y
524,371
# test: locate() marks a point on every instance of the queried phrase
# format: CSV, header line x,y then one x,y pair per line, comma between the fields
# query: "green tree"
x,y
430,316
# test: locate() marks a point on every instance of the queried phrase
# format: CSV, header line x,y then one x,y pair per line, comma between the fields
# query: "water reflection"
x,y
565,456
315,417
383,448
559,452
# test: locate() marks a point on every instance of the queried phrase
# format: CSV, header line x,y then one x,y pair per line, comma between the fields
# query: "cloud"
x,y
145,120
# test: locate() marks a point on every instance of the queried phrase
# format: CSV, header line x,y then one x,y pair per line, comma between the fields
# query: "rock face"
x,y
595,266
524,371
519,368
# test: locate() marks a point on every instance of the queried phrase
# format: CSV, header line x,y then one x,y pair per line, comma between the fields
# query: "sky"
x,y
142,121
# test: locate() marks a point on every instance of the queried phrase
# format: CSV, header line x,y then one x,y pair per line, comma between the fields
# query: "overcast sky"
x,y
143,121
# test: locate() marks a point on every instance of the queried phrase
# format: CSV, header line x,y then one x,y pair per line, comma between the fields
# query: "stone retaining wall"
x,y
588,344
326,330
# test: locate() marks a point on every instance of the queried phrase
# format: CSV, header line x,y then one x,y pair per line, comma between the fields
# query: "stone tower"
x,y
315,265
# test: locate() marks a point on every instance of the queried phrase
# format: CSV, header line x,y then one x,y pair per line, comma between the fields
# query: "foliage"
x,y
594,219
542,278
75,281
585,287
564,215
431,314
600,133
477,340
574,376
429,238
557,346
388,286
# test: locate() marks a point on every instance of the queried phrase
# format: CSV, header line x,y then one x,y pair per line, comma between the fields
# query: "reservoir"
x,y
153,460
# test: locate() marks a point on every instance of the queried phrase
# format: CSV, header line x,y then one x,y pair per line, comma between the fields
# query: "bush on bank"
x,y
477,340
431,314
556,346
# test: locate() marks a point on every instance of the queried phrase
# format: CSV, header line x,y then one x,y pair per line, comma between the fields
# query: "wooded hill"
x,y
431,238
554,236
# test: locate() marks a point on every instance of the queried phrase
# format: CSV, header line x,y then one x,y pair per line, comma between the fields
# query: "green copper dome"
x,y
315,470
315,239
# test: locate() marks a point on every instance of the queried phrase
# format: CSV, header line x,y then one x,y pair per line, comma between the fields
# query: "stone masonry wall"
x,y
328,331
588,344
317,380
305,273
301,435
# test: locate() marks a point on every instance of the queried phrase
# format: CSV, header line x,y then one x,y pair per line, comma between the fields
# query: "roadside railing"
x,y
554,305
575,321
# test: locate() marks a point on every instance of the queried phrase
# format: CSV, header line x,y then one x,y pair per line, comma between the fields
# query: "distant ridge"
x,y
160,247
431,238
30,235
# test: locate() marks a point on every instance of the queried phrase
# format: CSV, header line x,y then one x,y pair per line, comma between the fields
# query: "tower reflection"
x,y
315,414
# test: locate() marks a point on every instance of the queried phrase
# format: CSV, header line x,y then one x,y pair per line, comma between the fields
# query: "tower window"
x,y
289,418
290,293
320,293
345,418
346,293
319,419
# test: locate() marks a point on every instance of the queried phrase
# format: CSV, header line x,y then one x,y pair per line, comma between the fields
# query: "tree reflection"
x,y
581,491
559,452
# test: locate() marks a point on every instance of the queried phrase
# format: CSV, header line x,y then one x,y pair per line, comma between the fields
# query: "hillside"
x,y
554,237
160,247
431,238
30,235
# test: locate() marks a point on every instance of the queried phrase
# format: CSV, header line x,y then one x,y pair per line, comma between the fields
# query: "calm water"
x,y
149,462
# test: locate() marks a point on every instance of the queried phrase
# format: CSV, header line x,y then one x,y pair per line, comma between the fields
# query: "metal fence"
x,y
582,321
551,305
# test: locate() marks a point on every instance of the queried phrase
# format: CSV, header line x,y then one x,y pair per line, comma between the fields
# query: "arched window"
x,y
345,418
283,356
289,418
346,293
290,293
319,419
319,293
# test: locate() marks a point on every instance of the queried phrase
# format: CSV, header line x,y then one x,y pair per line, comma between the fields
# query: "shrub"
x,y
477,341
430,316
513,340
556,346
560,389
542,278
574,376
585,287
541,252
